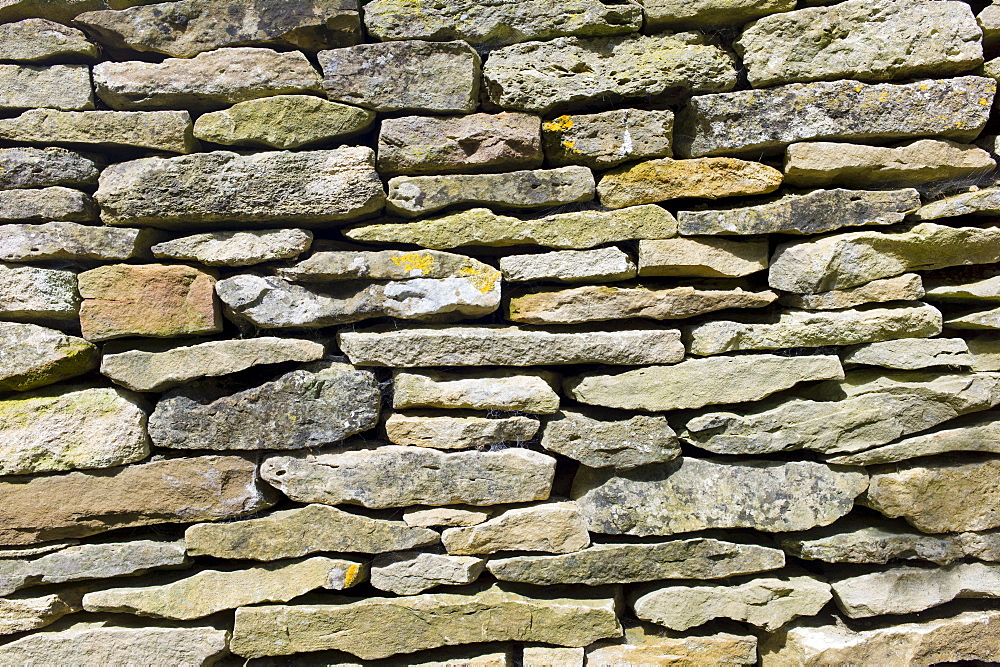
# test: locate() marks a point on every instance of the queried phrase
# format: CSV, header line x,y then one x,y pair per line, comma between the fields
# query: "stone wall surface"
x,y
496,333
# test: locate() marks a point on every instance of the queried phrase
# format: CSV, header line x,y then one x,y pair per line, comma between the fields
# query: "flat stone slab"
x,y
672,14
65,87
645,644
980,320
25,167
34,294
768,120
703,257
395,476
907,287
910,353
169,131
574,72
330,265
508,390
599,440
975,202
693,494
547,527
609,138
699,382
960,290
305,188
236,248
412,572
430,429
37,356
501,345
694,558
54,204
447,517
37,40
23,614
571,266
73,241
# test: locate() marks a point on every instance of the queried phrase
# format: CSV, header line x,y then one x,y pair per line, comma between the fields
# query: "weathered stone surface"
x,y
967,636
186,28
907,287
157,130
480,226
412,572
35,356
204,488
820,164
310,407
160,368
812,213
599,265
868,409
44,167
395,476
904,590
301,531
36,550
56,10
72,241
282,121
311,187
154,300
768,120
645,645
699,382
236,248
268,302
854,258
666,14
410,196
978,320
412,75
33,294
702,257
65,87
573,72
693,494
989,20
474,655
767,603
463,432
867,541
959,289
498,23
705,178
507,346
606,139
92,561
106,642
445,516
490,390
939,494
915,38
550,527
55,204
910,353
804,328
425,621
600,441
596,303
69,428
546,656
695,558
473,143
210,591
38,40
985,352
325,266
974,202
21,614
207,81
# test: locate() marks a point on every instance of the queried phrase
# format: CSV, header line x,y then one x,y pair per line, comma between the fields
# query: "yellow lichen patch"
x,y
560,124
483,277
415,261
351,576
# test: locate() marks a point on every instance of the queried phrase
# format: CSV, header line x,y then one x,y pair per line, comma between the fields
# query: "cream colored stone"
x,y
22,614
702,257
599,440
444,516
549,527
646,645
907,287
457,432
236,248
570,266
910,353
412,572
64,87
975,321
169,131
546,656
494,390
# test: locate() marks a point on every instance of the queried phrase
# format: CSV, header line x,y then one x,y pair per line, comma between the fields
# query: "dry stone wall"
x,y
469,333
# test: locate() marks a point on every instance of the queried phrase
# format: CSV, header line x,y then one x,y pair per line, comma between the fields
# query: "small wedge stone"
x,y
236,248
607,139
36,356
44,167
910,353
412,572
169,131
975,202
55,204
492,390
38,40
447,517
706,257
959,290
22,614
73,241
907,287
33,294
65,87
600,265
447,432
548,527
611,443
976,321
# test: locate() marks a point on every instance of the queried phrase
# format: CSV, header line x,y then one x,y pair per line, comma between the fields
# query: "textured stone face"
x,y
69,428
702,257
914,37
56,10
33,294
236,248
151,300
825,163
907,287
691,494
206,488
595,303
695,558
548,527
490,390
282,121
983,319
766,603
958,289
412,572
611,443
670,14
412,75
207,81
30,613
606,139
770,119
477,142
646,645
480,226
703,178
975,202
394,476
497,23
157,130
911,353
65,87
573,72
854,258
507,346
44,167
72,241
478,614
35,356
460,432
410,196
447,517
186,28
599,265
301,531
56,204
312,187
324,266
38,40
699,382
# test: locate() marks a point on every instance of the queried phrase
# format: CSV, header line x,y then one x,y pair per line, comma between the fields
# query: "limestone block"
x,y
599,441
961,290
36,40
65,87
975,321
56,10
985,352
609,138
546,656
236,248
571,266
702,257
549,527
907,287
324,266
73,241
22,614
34,294
55,204
490,390
910,353
412,572
447,517
169,131
429,429
35,356
975,202
645,645
671,14
24,167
